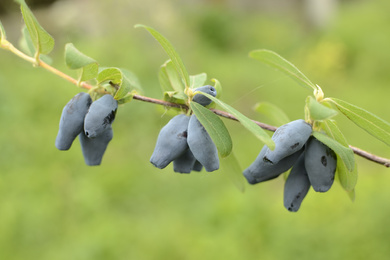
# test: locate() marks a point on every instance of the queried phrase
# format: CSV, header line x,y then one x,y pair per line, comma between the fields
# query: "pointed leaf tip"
x,y
42,40
369,122
170,50
276,61
75,59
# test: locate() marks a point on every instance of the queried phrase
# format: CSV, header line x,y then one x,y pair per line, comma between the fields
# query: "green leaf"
x,y
218,87
26,43
198,80
334,132
232,168
175,97
124,88
77,60
215,128
27,46
3,36
345,154
318,111
272,112
173,55
245,121
352,195
369,122
347,178
132,80
124,79
169,78
278,62
112,74
42,40
127,98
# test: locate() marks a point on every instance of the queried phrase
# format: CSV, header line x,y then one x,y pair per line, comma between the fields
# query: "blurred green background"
x,y
52,206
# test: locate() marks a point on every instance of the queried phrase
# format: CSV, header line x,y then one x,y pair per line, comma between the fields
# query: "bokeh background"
x,y
52,206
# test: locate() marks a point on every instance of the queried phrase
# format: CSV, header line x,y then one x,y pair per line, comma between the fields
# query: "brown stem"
x,y
370,156
159,102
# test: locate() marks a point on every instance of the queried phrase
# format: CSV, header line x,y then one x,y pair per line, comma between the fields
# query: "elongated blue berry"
x,y
201,145
72,120
320,163
297,185
288,138
100,116
171,141
184,163
93,148
262,170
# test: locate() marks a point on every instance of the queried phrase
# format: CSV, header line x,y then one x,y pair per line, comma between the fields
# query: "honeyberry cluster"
x,y
91,121
312,163
185,142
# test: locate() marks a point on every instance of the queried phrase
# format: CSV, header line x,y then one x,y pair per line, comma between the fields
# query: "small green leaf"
x,y
169,78
130,82
3,36
369,122
125,79
173,55
113,75
352,195
26,43
278,62
215,128
232,168
218,87
272,112
77,60
175,97
42,40
127,98
132,79
27,46
319,112
124,88
332,130
245,121
347,178
198,80
345,154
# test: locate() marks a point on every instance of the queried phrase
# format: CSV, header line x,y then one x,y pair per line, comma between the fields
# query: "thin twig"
x,y
159,102
369,156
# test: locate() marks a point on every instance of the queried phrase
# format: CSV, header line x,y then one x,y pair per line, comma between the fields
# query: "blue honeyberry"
x,y
288,138
320,163
184,163
93,148
262,170
201,145
72,120
100,116
197,166
296,186
203,100
171,141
